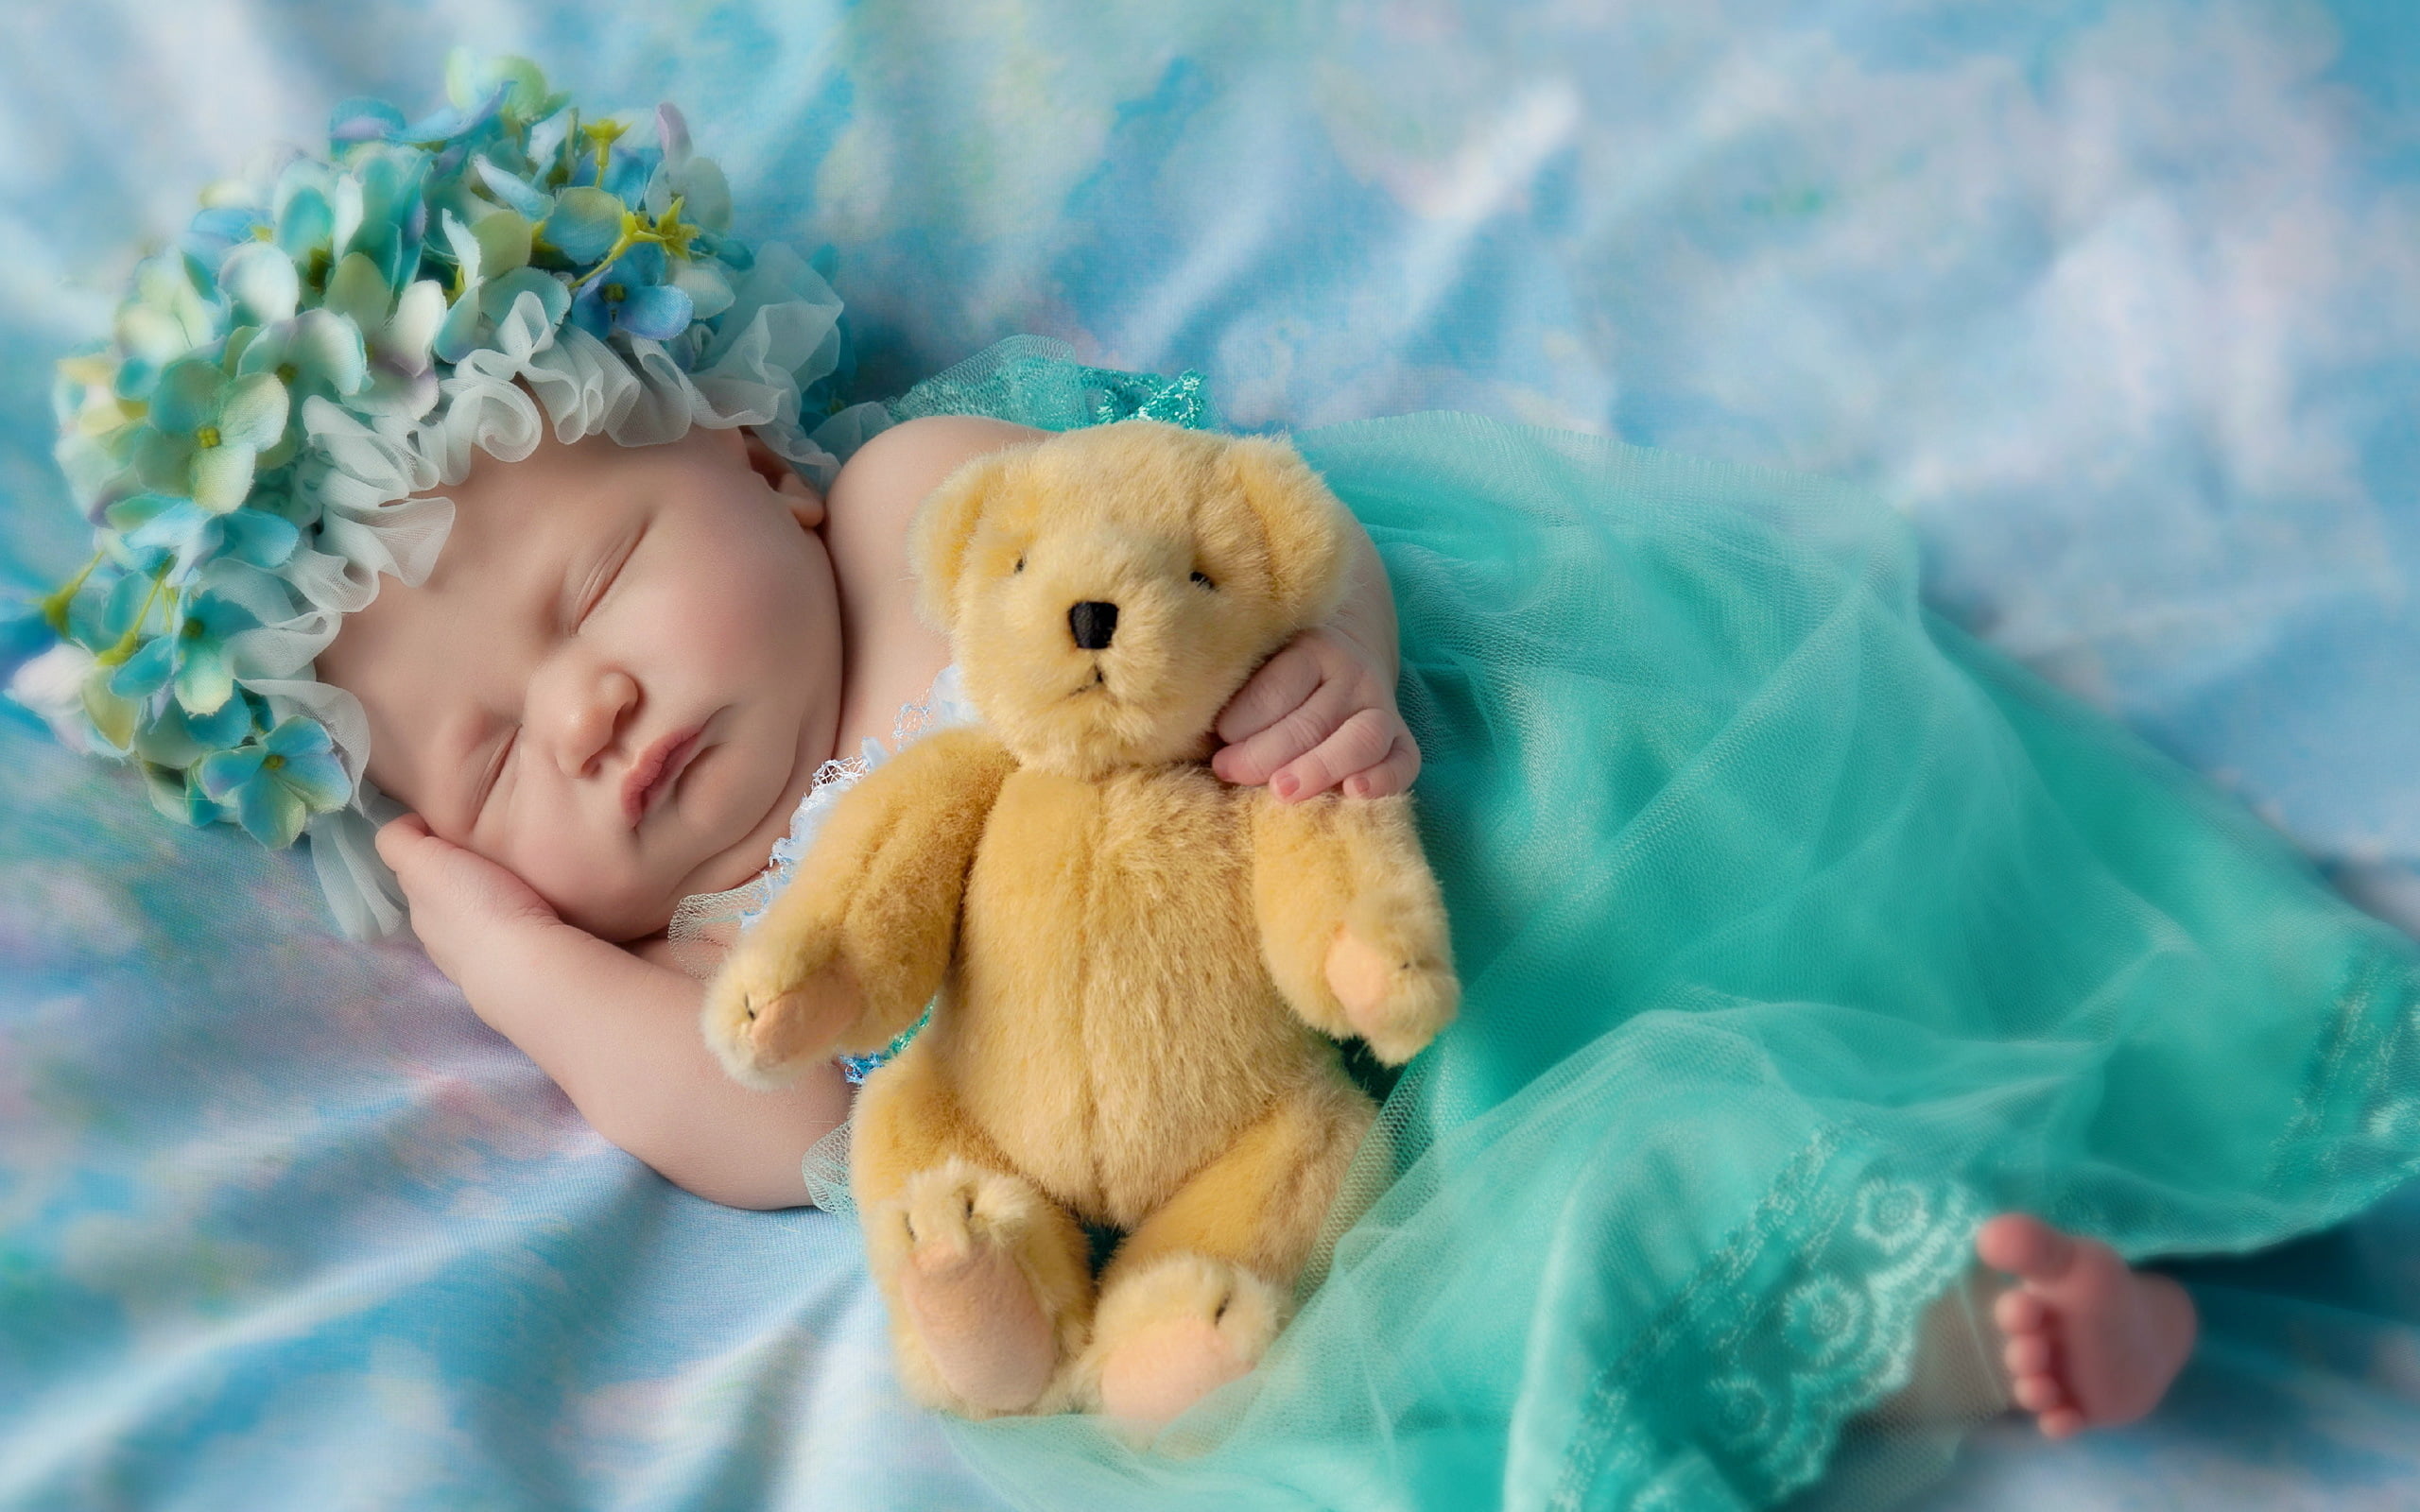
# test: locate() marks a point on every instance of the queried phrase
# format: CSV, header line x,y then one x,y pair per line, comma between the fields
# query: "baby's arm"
x,y
616,1032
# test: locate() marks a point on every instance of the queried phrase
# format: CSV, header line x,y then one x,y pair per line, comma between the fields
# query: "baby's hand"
x,y
1320,712
465,908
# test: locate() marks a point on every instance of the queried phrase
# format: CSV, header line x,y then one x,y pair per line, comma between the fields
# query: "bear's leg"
x,y
987,1282
1195,1294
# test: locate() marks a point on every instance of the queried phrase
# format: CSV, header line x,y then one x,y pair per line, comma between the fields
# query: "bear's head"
x,y
1106,591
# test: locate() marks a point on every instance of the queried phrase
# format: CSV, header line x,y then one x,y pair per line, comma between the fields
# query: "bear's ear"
x,y
943,529
1301,521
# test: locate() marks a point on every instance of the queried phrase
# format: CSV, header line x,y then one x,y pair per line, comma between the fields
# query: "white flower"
x,y
52,685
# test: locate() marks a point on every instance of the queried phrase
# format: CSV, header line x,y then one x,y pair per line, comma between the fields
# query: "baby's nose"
x,y
1093,622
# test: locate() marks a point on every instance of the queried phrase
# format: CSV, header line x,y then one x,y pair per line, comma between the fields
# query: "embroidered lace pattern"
x,y
1838,1337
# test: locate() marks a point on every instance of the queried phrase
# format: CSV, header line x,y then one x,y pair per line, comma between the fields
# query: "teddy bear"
x,y
1143,971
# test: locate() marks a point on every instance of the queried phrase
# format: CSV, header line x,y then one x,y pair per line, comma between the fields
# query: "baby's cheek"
x,y
593,886
767,615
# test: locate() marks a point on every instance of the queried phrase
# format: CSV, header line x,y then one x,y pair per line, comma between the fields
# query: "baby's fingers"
x,y
1296,732
1392,775
403,825
398,841
1279,688
1366,740
436,873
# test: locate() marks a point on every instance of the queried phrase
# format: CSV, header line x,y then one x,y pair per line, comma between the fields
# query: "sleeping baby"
x,y
618,686
1845,1009
621,679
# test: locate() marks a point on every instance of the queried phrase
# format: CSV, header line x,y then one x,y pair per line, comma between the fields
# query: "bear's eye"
x,y
1203,578
1019,567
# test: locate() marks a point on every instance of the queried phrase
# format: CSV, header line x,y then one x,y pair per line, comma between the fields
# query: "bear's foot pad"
x,y
1395,995
1178,1332
968,1298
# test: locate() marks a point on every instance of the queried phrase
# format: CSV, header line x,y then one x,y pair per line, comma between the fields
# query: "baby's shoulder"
x,y
890,657
876,493
908,461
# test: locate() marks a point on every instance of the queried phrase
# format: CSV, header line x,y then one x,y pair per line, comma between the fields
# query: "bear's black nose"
x,y
1093,622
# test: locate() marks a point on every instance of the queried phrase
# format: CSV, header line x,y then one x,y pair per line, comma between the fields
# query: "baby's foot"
x,y
2091,1343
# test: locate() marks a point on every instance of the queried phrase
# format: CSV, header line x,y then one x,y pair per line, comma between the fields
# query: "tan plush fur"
x,y
1140,967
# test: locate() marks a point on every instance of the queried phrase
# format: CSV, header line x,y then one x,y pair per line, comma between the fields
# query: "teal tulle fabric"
x,y
1800,933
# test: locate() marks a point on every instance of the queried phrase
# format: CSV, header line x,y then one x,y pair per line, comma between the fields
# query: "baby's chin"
x,y
619,922
629,908
645,908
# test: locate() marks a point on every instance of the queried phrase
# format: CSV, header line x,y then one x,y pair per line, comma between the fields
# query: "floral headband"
x,y
327,340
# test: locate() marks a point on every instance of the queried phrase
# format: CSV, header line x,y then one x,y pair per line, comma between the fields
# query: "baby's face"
x,y
593,603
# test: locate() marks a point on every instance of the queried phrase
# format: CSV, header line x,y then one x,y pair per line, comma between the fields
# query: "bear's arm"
x,y
849,954
1352,924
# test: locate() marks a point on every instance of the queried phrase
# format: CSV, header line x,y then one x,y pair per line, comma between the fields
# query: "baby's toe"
x,y
2022,1245
2038,1394
2028,1354
2019,1312
2061,1422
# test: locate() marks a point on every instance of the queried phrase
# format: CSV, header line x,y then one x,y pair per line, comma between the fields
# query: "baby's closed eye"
x,y
605,577
494,774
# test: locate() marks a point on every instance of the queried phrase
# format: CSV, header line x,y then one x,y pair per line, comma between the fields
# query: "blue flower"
x,y
276,784
306,218
170,746
363,120
216,228
381,210
626,175
260,281
97,430
190,535
585,225
696,181
515,192
487,103
176,793
317,351
400,329
631,295
326,352
53,686
193,653
178,738
450,136
204,434
513,88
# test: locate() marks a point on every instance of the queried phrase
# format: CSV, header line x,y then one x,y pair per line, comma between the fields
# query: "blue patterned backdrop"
x,y
2118,300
